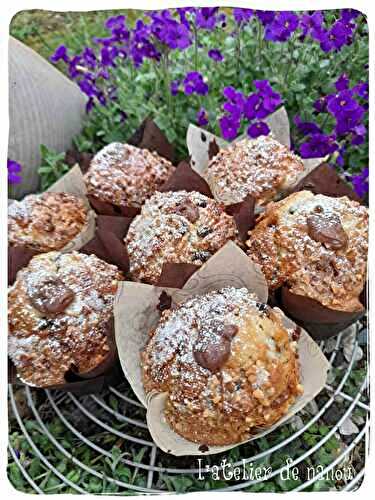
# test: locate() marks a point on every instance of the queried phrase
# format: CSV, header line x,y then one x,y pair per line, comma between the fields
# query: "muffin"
x,y
124,175
316,246
260,167
228,365
60,308
178,227
46,222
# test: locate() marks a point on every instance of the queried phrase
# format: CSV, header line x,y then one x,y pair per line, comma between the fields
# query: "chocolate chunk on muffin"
x,y
229,366
316,246
60,308
260,167
124,175
177,227
46,222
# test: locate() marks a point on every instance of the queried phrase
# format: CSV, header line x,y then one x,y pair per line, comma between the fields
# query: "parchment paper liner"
x,y
147,136
136,314
72,182
202,146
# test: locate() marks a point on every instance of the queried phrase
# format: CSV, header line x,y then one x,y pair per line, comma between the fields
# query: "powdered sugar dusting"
x,y
261,167
178,227
125,175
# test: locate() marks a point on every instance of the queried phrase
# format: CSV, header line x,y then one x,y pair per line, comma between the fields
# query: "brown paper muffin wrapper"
x,y
72,182
203,145
137,312
325,180
320,321
108,242
147,136
106,373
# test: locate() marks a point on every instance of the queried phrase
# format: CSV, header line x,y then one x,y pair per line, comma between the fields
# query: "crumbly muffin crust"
x,y
260,167
316,246
58,314
47,221
122,174
228,364
178,227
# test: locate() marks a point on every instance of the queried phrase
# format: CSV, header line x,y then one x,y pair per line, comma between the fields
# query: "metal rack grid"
x,y
153,465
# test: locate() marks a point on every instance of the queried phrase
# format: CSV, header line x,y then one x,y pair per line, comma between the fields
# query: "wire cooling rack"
x,y
95,412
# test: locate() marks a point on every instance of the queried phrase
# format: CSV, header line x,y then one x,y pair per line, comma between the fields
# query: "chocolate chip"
x,y
296,333
51,296
202,256
165,301
214,355
229,331
188,210
203,231
203,137
202,204
203,448
261,307
327,229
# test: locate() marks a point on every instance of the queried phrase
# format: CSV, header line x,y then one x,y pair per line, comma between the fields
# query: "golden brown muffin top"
x,y
228,364
125,175
316,246
260,167
177,227
59,310
47,221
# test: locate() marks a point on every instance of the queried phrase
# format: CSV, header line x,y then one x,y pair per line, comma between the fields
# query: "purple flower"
x,y
359,133
194,84
348,15
206,18
89,57
229,127
216,55
265,16
309,23
202,117
346,122
282,27
115,22
60,54
340,157
306,128
140,45
320,105
14,170
360,182
342,102
335,38
258,128
108,55
269,100
361,89
318,145
168,31
342,83
175,87
235,102
242,16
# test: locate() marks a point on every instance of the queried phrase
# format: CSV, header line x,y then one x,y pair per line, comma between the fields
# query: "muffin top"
x,y
178,227
228,364
45,222
122,174
316,246
60,308
260,167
